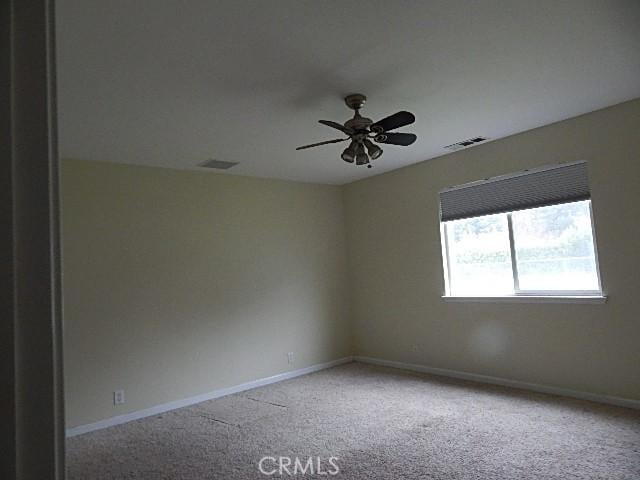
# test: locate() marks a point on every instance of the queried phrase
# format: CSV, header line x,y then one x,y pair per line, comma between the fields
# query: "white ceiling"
x,y
173,83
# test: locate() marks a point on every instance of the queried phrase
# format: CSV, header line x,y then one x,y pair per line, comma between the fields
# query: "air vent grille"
x,y
465,143
218,164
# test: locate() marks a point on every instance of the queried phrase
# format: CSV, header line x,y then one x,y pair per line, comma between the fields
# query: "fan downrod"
x,y
355,101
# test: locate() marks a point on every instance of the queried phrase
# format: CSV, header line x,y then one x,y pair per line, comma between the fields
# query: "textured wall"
x,y
178,283
396,265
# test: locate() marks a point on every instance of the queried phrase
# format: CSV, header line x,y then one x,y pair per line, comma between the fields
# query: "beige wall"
x,y
178,283
396,266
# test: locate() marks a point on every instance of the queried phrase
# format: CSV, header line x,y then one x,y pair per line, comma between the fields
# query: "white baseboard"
x,y
594,397
185,402
165,407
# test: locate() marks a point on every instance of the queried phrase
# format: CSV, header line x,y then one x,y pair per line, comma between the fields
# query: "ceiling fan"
x,y
361,130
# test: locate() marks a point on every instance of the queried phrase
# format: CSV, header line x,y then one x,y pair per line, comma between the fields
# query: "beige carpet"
x,y
381,423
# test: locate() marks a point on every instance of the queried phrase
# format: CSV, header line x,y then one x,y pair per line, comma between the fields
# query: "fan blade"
x,y
336,125
394,121
323,143
404,139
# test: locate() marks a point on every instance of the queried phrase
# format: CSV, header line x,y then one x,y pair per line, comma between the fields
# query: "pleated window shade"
x,y
529,189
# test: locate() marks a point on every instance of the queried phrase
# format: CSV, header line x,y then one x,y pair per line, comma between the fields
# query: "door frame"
x,y
32,395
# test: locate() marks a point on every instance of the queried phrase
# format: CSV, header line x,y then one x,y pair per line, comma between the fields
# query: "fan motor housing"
x,y
358,123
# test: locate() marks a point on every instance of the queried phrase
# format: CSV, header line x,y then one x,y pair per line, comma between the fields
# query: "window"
x,y
553,248
479,256
535,248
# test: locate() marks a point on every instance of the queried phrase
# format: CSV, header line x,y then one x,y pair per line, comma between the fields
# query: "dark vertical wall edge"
x,y
7,365
39,406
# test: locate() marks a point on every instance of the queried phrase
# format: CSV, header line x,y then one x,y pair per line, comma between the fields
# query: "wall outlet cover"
x,y
118,397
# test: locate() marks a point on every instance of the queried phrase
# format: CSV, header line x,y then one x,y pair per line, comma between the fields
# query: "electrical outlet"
x,y
118,397
290,358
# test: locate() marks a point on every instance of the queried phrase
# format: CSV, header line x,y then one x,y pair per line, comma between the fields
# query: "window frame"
x,y
518,293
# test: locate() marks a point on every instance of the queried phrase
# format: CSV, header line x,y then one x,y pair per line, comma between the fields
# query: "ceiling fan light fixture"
x,y
361,130
362,159
349,153
374,150
361,155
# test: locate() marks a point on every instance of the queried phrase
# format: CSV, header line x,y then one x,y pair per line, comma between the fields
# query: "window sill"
x,y
593,299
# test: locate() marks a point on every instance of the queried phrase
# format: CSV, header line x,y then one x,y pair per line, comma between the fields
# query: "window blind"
x,y
534,188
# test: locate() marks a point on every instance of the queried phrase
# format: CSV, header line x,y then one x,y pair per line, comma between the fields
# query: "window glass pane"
x,y
479,259
554,248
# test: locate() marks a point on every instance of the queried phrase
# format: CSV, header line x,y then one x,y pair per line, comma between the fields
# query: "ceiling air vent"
x,y
465,143
218,164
